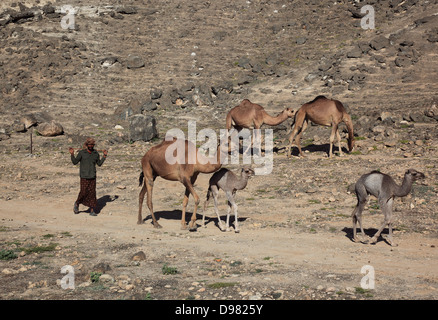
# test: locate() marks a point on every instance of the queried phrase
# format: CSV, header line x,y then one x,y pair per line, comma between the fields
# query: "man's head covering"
x,y
89,141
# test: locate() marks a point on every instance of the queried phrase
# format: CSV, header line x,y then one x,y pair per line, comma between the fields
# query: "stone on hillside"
x,y
355,53
108,61
139,256
379,42
433,35
29,120
32,119
432,111
402,62
156,93
126,10
50,129
142,127
301,40
134,62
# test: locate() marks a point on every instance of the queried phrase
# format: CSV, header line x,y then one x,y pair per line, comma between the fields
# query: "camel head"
x,y
247,171
290,112
416,175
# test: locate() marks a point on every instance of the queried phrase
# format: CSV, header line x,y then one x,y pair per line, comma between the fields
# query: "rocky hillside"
x,y
179,60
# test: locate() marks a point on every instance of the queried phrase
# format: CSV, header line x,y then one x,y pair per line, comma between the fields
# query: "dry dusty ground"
x,y
294,241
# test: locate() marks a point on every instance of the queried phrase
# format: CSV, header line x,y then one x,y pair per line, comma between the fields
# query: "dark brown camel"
x,y
325,112
155,164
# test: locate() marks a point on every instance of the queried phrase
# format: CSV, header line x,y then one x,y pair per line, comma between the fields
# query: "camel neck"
x,y
405,188
243,181
273,121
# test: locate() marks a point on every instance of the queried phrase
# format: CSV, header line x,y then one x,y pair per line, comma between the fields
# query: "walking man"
x,y
88,158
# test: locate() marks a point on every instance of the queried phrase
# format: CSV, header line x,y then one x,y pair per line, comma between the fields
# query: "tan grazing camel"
x,y
250,115
384,188
325,112
154,164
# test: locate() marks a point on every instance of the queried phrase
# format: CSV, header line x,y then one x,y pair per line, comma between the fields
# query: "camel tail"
x,y
140,179
349,124
207,199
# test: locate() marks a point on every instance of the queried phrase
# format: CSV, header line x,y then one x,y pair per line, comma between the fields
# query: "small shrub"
x,y
7,255
168,270
94,276
40,249
218,285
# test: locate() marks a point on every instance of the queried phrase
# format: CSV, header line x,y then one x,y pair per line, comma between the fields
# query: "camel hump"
x,y
317,98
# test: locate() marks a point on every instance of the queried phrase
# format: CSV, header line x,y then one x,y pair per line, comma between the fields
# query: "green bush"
x,y
168,270
7,255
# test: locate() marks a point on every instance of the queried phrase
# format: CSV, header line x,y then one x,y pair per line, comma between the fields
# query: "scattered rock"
x,y
402,62
432,112
126,10
310,77
379,43
108,61
134,62
139,256
156,93
106,278
432,36
355,53
102,267
50,129
301,40
142,127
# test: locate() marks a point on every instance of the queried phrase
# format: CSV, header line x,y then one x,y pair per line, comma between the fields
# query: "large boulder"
x,y
142,127
50,129
35,118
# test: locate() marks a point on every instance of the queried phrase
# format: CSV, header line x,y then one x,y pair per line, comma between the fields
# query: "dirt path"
x,y
285,250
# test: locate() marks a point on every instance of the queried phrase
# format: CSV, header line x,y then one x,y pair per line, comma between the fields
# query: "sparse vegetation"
x,y
168,270
219,285
7,255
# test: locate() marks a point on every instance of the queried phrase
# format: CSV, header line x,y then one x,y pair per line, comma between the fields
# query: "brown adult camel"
x,y
325,112
185,169
250,115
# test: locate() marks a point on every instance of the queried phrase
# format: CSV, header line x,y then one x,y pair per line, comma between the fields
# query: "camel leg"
x,y
140,203
227,226
389,208
291,140
232,205
339,141
300,119
209,193
332,139
233,134
189,190
149,187
357,217
387,212
184,206
215,193
298,137
361,194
